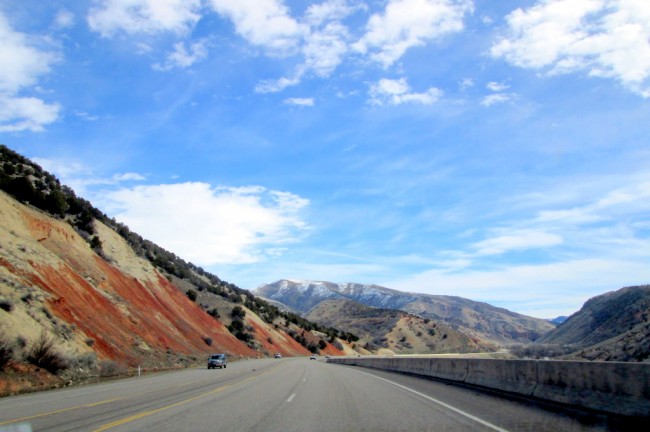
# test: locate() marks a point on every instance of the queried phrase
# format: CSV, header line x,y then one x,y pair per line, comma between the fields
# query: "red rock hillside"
x,y
118,308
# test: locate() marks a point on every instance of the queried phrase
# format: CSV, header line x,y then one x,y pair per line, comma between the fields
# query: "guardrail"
x,y
614,387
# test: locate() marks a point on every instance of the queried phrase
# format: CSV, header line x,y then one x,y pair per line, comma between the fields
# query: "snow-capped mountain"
x,y
474,318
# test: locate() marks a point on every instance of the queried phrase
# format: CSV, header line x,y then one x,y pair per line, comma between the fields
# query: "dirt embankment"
x,y
120,309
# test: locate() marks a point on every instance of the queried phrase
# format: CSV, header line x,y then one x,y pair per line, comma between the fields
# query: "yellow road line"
x,y
166,407
88,405
60,411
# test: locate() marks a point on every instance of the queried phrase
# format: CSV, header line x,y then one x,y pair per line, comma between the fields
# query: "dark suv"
x,y
217,361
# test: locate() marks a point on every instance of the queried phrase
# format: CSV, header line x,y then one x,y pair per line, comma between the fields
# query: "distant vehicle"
x,y
313,357
217,361
327,357
277,355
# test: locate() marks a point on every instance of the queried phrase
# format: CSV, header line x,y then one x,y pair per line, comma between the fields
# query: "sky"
x,y
494,150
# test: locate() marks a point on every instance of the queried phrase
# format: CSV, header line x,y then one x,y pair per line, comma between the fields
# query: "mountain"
x,y
558,320
82,296
478,320
393,331
612,326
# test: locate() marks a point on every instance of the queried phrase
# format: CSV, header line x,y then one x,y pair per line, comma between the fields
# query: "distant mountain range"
x,y
394,331
480,321
559,320
612,326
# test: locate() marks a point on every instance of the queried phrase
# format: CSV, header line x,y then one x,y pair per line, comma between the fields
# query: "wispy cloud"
x,y
496,98
64,19
397,92
300,101
496,86
517,241
543,290
184,57
81,178
580,247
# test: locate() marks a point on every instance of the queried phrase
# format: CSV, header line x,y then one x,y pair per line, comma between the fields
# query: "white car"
x,y
313,357
277,355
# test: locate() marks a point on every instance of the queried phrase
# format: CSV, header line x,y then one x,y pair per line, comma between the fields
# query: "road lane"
x,y
82,408
289,395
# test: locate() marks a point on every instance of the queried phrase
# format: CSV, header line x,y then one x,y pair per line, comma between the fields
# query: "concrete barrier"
x,y
614,387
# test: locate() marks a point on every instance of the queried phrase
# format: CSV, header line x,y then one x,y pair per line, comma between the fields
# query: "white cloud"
x,y
183,57
128,177
408,23
64,19
317,14
496,98
86,116
322,43
274,86
265,23
466,83
496,87
604,38
300,101
18,114
517,241
209,225
396,92
324,49
24,59
109,17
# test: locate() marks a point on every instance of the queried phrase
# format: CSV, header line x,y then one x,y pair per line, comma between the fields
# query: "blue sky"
x,y
497,151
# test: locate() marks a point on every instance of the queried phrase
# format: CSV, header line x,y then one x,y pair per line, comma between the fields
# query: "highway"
x,y
291,394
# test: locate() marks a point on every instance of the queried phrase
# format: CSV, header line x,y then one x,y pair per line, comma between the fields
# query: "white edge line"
x,y
291,397
449,407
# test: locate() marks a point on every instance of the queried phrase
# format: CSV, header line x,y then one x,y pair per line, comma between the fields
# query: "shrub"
x,y
6,353
109,368
6,305
191,294
207,340
43,355
238,311
243,336
236,325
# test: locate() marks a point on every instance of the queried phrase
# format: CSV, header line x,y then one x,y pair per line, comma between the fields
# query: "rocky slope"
x,y
394,331
82,295
478,320
612,326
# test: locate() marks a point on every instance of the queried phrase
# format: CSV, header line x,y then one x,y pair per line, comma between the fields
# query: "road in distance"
x,y
292,394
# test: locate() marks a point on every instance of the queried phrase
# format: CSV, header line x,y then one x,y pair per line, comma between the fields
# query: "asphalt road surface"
x,y
293,394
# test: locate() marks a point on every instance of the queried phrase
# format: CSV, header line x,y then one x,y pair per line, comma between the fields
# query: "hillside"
x,y
612,326
478,320
81,295
393,330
